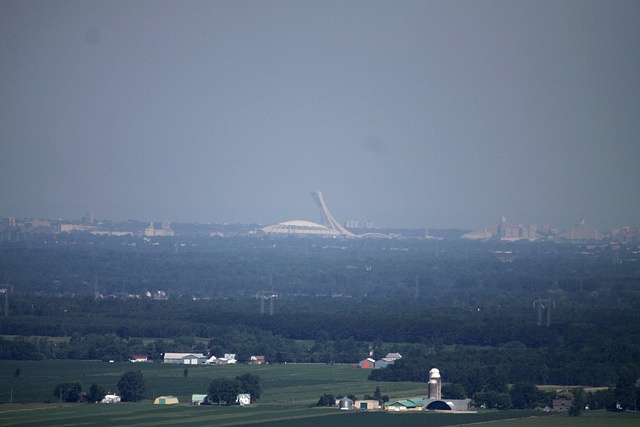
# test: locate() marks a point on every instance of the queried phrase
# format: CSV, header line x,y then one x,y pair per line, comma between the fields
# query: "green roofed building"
x,y
415,404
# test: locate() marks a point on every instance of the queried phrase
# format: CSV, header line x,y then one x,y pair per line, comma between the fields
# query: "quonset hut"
x,y
435,401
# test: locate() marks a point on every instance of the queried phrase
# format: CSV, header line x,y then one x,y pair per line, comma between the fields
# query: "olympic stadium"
x,y
307,228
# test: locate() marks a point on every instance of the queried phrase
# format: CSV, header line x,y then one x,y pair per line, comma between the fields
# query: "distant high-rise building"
x,y
582,231
368,225
504,230
165,231
352,224
625,235
89,218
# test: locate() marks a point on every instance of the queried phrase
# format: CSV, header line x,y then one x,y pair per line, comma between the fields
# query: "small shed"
x,y
199,399
165,400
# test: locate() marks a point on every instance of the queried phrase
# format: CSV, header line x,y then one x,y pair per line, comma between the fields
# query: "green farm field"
x,y
289,393
281,384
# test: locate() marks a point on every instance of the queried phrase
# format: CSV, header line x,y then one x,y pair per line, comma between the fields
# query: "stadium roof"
x,y
300,228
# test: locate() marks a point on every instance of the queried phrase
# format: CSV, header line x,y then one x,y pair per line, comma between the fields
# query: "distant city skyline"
x,y
505,229
408,114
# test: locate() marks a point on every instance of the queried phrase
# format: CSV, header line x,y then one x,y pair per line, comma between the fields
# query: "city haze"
x,y
408,114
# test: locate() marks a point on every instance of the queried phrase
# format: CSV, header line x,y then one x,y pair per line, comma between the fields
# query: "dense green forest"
x,y
542,313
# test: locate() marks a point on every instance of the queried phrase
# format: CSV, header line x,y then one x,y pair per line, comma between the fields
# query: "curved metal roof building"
x,y
301,228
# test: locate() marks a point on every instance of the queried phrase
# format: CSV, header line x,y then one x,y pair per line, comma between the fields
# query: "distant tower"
x,y
325,216
435,384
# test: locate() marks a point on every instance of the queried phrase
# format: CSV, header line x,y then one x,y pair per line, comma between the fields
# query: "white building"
x,y
185,358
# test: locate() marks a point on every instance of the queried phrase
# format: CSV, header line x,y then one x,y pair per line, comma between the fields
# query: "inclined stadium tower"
x,y
329,227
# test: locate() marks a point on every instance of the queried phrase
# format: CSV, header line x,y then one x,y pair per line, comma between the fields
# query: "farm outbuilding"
x,y
367,363
185,358
415,404
166,400
257,360
368,404
447,405
345,404
199,399
379,364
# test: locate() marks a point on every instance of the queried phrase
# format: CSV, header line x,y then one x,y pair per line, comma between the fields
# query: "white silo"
x,y
433,389
434,375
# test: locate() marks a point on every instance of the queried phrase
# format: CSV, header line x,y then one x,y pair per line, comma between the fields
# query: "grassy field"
x,y
147,414
289,393
281,384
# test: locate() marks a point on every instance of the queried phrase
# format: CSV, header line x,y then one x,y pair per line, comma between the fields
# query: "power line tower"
x,y
96,294
544,305
6,300
264,296
616,254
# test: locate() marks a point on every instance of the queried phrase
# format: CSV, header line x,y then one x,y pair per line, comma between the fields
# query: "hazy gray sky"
x,y
418,114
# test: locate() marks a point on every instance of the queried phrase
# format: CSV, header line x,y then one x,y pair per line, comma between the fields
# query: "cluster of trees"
x,y
495,393
69,392
131,386
224,390
465,307
595,365
589,347
486,272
